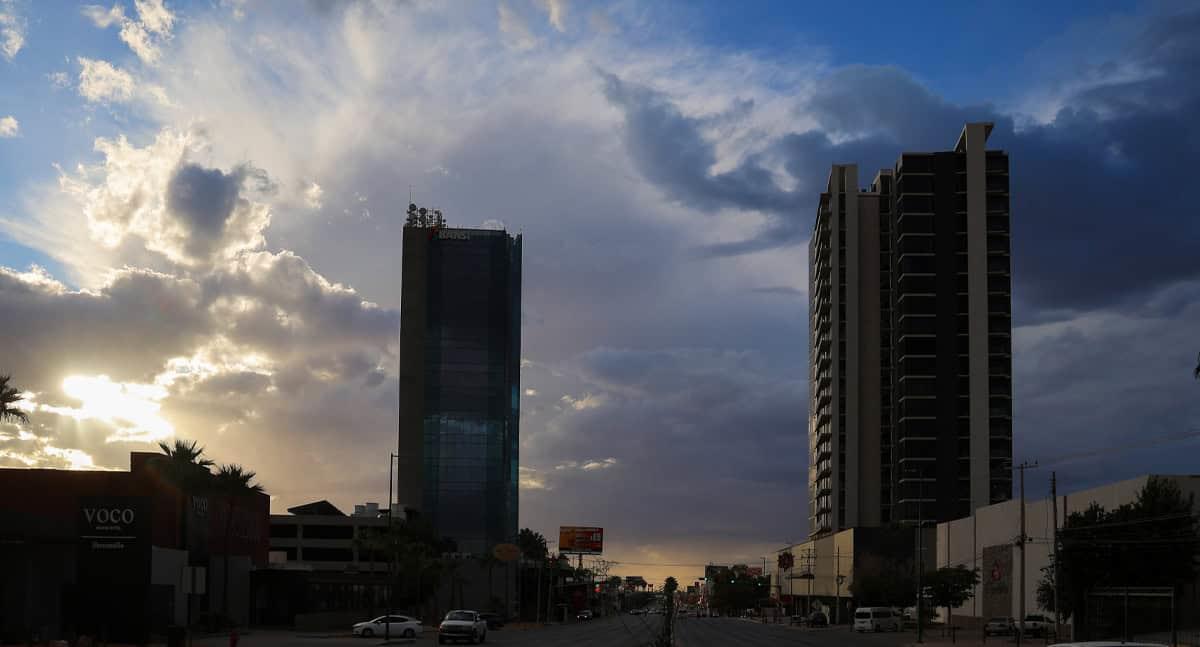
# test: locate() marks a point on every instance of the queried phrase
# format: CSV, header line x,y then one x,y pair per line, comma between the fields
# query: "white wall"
x,y
961,542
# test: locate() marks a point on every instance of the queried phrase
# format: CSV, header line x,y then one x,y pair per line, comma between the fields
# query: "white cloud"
x,y
531,479
514,28
9,126
145,35
556,12
161,194
588,401
100,82
12,30
604,464
154,16
104,18
313,194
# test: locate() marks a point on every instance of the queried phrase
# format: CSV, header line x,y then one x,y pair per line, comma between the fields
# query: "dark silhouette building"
x,y
460,356
910,347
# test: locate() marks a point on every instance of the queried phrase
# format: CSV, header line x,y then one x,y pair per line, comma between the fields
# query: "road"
x,y
731,632
619,631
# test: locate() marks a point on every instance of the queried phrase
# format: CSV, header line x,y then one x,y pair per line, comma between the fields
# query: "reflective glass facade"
x,y
466,434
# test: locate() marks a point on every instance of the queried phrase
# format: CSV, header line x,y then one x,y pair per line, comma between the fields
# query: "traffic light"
x,y
597,588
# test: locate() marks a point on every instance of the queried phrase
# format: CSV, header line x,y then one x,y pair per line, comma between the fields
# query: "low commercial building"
x,y
114,554
321,573
819,574
988,540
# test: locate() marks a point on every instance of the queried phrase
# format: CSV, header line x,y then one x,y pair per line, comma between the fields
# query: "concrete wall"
x,y
166,568
962,542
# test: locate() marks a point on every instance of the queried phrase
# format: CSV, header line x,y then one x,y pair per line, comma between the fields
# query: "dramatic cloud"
x,y
12,29
100,82
664,190
9,127
187,212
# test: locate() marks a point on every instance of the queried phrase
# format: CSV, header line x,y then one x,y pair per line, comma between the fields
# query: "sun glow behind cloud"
x,y
130,407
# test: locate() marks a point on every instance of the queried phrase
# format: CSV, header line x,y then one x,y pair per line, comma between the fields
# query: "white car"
x,y
876,619
462,625
393,626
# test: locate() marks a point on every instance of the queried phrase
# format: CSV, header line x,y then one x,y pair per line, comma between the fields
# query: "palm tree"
x,y
183,465
231,482
489,561
9,397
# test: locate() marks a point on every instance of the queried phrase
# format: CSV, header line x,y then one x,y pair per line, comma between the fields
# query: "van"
x,y
876,619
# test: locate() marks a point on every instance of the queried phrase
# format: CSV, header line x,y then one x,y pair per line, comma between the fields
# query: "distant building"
x,y
320,566
910,353
460,354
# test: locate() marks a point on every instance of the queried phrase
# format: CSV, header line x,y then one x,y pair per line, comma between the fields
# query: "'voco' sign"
x,y
109,518
111,522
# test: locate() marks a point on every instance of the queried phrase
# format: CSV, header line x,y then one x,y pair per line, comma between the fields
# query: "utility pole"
x,y
1054,499
837,578
387,625
1021,544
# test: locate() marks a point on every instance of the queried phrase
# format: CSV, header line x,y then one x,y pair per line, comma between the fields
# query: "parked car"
x,y
394,626
818,619
462,625
999,627
876,619
586,614
493,620
1035,625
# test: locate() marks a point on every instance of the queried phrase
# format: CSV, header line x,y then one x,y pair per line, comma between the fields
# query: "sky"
x,y
201,207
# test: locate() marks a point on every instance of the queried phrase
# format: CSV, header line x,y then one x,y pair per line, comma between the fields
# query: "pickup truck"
x,y
462,625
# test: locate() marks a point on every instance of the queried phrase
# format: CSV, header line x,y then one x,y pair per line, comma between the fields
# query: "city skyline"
x,y
202,205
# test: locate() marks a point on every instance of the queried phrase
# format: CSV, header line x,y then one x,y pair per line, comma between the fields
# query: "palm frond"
x,y
9,397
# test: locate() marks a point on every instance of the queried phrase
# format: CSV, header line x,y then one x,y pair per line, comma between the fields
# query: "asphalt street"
x,y
731,632
619,631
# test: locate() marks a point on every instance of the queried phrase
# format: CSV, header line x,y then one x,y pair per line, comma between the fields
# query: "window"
x,y
328,532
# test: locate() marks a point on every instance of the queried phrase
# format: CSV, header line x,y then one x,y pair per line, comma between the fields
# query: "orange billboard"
x,y
584,540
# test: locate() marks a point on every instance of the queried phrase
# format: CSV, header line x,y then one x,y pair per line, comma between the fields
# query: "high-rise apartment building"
x,y
460,354
910,340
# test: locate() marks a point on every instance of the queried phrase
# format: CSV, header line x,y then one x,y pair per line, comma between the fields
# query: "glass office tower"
x,y
460,350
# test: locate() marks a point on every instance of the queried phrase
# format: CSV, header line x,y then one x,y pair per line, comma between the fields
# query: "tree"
x,y
1150,542
735,589
9,398
950,587
183,465
532,545
232,483
1196,373
489,561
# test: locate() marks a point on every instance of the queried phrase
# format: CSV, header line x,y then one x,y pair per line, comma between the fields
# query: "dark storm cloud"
x,y
669,148
1099,201
687,429
204,200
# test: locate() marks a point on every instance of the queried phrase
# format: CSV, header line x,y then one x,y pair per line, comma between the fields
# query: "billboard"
x,y
585,540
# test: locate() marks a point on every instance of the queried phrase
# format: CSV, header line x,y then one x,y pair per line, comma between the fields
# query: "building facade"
x,y
107,553
460,350
984,541
910,340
